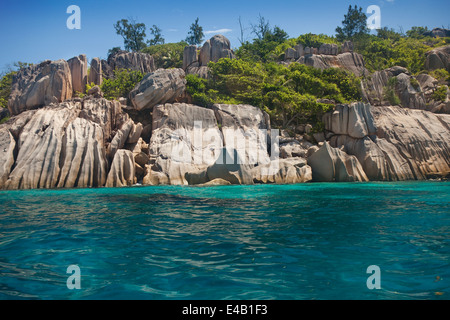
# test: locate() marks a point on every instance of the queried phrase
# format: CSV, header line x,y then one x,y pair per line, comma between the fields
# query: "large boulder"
x,y
438,33
246,129
185,141
350,61
65,145
95,72
421,137
79,71
40,85
137,61
122,172
161,86
438,58
214,49
333,165
283,171
7,146
355,120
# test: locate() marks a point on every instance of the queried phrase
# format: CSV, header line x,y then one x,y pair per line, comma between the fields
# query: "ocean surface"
x,y
307,241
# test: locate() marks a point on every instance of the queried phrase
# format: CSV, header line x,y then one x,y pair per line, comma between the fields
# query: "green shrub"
x,y
121,84
169,55
440,94
5,88
415,83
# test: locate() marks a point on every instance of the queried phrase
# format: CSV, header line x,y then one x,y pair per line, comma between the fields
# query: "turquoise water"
x,y
308,241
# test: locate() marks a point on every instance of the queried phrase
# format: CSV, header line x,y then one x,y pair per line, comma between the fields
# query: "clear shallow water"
x,y
308,241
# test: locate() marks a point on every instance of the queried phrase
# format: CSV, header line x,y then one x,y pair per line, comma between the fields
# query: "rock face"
x,y
412,92
79,71
158,87
390,143
214,49
354,120
438,58
420,137
350,61
96,73
138,61
332,165
40,85
438,32
122,170
64,146
180,146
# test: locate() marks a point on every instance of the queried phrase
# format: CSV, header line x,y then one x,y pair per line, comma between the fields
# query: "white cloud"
x,y
220,31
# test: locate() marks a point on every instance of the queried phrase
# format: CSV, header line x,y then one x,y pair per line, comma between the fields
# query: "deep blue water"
x,y
308,241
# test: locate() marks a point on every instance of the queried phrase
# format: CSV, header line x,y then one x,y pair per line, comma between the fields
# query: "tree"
x,y
261,28
157,36
195,34
133,34
353,25
113,51
417,32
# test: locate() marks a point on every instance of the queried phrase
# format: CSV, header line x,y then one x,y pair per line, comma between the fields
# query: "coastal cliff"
x,y
156,135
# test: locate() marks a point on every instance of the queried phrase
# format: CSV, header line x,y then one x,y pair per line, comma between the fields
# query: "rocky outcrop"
x,y
283,171
214,49
438,32
79,72
158,87
7,146
245,129
390,143
122,170
137,61
40,85
421,138
333,165
95,72
65,145
396,82
4,113
350,61
438,58
185,140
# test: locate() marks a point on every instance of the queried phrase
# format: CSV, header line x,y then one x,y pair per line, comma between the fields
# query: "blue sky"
x,y
33,31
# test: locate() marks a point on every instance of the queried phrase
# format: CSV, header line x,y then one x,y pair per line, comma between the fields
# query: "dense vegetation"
x,y
169,55
290,94
121,84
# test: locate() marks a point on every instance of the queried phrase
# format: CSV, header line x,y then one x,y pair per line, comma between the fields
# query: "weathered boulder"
x,y
79,71
137,61
347,46
214,49
331,164
283,171
438,58
190,58
65,145
161,86
421,137
245,128
328,49
122,172
95,72
40,85
231,168
350,61
438,32
294,149
355,120
185,141
7,146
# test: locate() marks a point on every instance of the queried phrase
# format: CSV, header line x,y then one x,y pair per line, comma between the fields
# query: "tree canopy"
x,y
354,24
195,34
133,34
